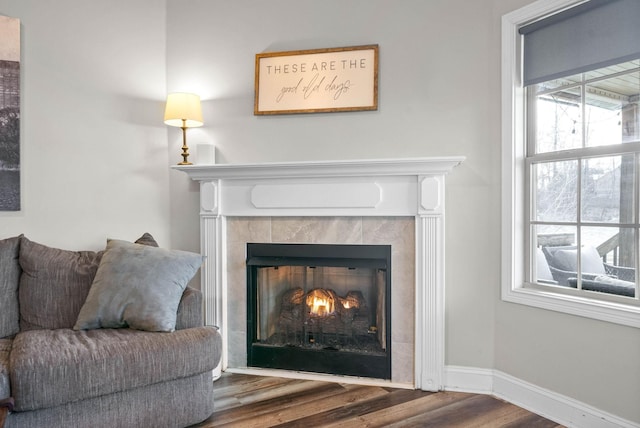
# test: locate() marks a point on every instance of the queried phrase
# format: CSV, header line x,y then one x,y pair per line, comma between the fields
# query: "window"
x,y
571,158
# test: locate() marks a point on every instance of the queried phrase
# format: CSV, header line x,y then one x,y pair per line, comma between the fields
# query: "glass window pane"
x,y
608,260
574,115
612,69
612,104
610,111
602,239
557,83
555,187
607,189
548,239
558,121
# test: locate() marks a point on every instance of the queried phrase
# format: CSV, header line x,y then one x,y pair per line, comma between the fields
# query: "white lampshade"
x,y
183,109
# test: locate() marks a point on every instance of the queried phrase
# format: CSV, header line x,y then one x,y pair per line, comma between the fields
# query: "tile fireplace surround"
x,y
397,202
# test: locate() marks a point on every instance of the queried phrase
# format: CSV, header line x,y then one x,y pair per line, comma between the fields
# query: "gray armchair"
x,y
620,272
596,275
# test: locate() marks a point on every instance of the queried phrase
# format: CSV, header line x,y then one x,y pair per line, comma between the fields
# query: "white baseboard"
x,y
468,379
551,405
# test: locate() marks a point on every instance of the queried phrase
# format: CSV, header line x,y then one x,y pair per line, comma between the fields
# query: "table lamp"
x,y
183,110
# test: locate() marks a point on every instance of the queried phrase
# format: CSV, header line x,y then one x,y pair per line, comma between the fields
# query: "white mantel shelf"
x,y
339,168
375,187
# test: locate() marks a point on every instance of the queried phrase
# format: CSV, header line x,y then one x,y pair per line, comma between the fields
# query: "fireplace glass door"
x,y
320,308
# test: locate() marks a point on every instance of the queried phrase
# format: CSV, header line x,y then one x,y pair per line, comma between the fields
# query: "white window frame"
x,y
514,246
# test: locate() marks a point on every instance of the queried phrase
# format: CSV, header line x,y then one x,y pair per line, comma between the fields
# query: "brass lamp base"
x,y
185,148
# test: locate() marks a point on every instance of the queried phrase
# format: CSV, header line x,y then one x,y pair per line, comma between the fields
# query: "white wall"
x,y
93,145
424,90
595,362
438,95
95,152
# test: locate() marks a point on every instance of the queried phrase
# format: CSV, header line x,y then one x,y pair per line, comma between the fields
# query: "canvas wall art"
x,y
9,114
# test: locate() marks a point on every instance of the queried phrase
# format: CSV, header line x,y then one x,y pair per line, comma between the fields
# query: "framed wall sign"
x,y
317,80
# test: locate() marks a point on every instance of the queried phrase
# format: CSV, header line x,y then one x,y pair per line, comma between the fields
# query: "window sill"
x,y
617,313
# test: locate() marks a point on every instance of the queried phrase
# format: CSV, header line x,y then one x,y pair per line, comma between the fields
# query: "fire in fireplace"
x,y
320,308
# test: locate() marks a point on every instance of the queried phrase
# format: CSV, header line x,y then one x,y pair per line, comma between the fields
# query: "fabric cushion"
x,y
9,281
50,368
54,284
606,279
159,405
542,267
138,286
147,239
568,260
190,309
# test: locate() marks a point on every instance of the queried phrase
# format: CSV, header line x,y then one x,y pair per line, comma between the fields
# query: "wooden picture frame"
x,y
317,80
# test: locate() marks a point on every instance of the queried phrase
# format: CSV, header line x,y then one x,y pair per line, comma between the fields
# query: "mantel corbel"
x,y
210,197
430,195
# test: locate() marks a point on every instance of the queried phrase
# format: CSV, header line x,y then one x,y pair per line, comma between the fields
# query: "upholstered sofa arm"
x,y
190,310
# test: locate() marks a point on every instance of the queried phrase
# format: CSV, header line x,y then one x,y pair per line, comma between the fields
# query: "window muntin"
x,y
583,149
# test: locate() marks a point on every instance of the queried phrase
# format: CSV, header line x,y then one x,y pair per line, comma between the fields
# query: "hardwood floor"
x,y
256,401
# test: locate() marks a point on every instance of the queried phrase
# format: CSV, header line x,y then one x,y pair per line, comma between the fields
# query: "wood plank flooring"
x,y
257,401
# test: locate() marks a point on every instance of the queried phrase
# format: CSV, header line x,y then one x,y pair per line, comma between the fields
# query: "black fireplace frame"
x,y
316,360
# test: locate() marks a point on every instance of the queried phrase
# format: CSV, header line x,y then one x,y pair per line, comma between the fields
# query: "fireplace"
x,y
397,202
320,308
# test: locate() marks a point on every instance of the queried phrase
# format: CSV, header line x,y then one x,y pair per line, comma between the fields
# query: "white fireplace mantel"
x,y
379,187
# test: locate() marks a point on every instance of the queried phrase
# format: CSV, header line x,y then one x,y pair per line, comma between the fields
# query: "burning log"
x,y
324,312
354,299
292,298
321,302
291,311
